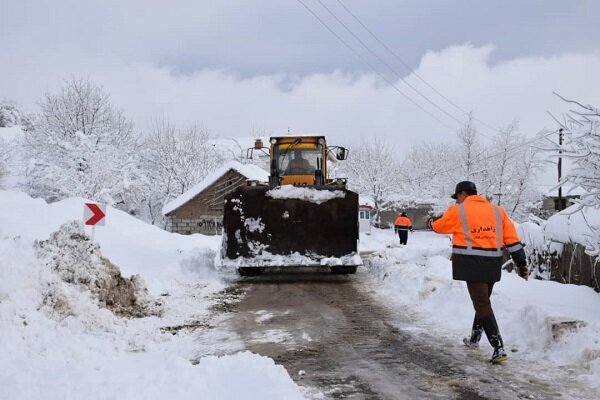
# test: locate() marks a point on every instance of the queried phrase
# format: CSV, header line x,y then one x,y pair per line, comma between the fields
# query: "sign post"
x,y
94,214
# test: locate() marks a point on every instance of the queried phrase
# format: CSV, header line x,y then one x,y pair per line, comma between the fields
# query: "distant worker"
x,y
299,165
480,230
402,225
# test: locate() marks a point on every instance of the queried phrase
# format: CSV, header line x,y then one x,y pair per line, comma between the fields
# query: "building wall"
x,y
204,213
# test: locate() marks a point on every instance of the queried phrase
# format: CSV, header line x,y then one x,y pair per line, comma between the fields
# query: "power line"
x,y
386,64
409,68
371,67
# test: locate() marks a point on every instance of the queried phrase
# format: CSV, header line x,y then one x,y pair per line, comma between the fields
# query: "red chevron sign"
x,y
93,214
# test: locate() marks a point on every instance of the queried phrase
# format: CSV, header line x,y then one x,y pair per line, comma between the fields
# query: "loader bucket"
x,y
261,228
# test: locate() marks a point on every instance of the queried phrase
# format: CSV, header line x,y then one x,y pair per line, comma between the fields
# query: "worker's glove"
x,y
429,222
523,272
429,219
412,231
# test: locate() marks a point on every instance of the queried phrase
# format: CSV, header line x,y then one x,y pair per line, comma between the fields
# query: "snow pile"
x,y
305,193
77,260
552,245
419,276
59,336
575,224
155,376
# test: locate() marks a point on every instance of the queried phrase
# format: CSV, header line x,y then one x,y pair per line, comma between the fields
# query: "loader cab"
x,y
298,160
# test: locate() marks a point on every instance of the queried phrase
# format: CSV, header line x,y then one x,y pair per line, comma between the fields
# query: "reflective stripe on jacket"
x,y
403,223
480,230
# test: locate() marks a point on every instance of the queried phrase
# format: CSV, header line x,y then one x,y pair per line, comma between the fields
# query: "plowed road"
x,y
334,337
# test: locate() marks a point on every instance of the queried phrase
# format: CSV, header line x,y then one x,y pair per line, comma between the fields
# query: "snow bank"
x,y
133,245
77,260
305,193
153,376
575,225
572,225
419,276
65,311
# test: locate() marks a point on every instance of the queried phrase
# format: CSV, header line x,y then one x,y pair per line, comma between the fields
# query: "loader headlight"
x,y
321,141
273,140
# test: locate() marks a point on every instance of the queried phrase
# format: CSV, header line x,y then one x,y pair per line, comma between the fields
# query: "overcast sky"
x,y
241,67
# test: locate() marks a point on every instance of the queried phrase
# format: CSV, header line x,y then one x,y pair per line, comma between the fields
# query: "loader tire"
x,y
250,271
344,270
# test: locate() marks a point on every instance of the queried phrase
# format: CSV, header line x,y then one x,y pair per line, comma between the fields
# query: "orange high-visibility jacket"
x,y
402,223
480,230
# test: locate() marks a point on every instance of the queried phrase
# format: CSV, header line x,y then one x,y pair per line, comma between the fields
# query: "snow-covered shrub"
x,y
556,249
77,260
11,115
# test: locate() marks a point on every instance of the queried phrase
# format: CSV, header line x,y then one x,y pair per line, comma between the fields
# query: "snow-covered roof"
x,y
250,171
574,224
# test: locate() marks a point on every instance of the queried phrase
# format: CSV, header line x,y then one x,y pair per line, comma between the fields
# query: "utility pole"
x,y
560,142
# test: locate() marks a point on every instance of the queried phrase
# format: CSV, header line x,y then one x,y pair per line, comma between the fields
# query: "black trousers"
x,y
403,234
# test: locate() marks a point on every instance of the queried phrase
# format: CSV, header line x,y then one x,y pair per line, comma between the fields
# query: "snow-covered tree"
x,y
503,169
373,170
470,151
11,115
511,173
81,145
426,170
581,130
5,152
175,159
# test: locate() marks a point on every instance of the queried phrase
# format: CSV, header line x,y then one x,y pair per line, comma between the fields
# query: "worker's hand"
x,y
412,231
523,272
426,220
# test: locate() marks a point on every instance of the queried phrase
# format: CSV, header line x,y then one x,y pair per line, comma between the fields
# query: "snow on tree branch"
x,y
81,145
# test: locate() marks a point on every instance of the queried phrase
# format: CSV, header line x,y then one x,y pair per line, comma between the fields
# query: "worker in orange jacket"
x,y
480,231
402,225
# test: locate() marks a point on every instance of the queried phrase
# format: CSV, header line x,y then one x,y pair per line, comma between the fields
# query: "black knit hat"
x,y
464,186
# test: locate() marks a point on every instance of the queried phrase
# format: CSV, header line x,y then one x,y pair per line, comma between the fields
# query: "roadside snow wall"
x,y
72,255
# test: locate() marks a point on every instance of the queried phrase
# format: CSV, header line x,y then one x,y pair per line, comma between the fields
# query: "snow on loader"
x,y
300,218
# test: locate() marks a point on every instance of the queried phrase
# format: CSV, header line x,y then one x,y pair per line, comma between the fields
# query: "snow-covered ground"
x,y
57,341
419,276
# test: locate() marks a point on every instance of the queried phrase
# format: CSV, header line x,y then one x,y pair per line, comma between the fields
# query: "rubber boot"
x,y
476,332
490,326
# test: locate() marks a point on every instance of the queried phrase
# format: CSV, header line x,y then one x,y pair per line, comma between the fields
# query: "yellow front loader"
x,y
300,218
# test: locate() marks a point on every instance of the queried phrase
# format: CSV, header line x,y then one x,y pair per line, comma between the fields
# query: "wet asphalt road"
x,y
334,337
